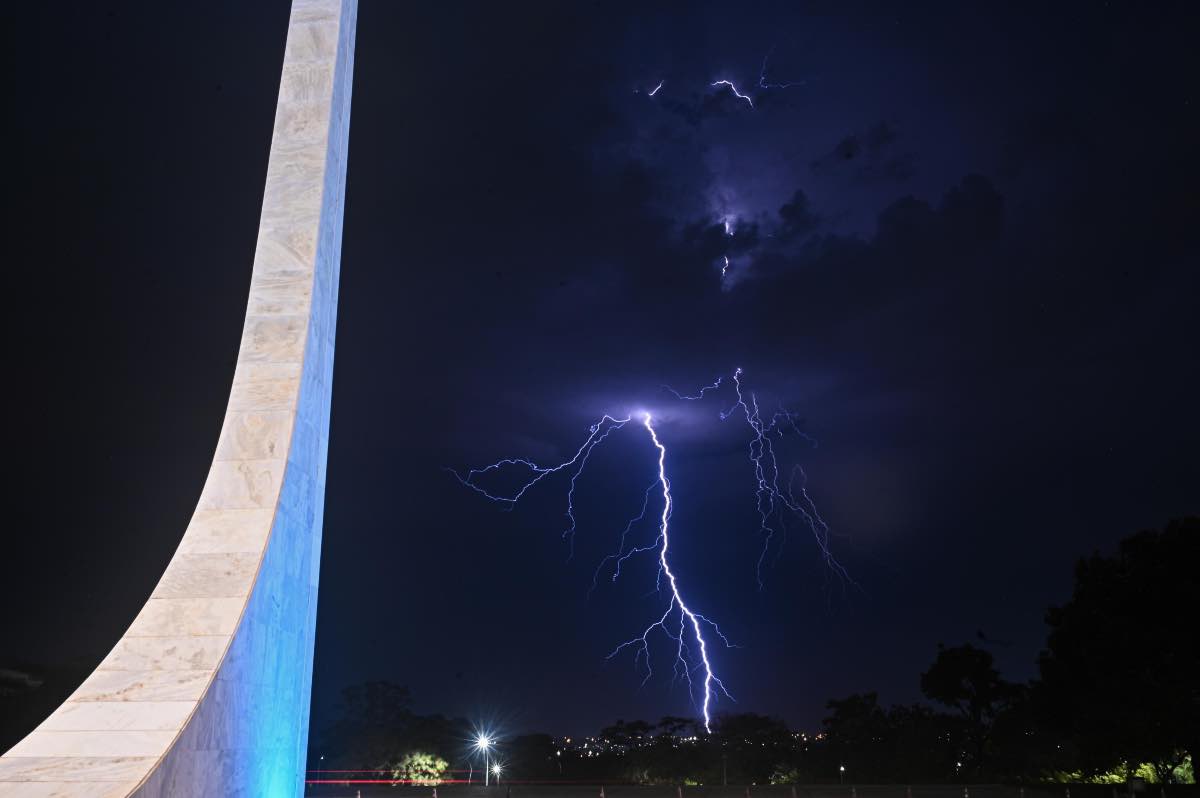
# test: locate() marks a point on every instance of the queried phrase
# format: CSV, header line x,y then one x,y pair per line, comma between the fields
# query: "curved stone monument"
x,y
207,694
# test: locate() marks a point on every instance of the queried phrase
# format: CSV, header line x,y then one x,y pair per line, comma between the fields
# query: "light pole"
x,y
496,768
483,742
841,774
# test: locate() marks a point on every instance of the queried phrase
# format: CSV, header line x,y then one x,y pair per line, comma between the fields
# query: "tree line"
x,y
1117,695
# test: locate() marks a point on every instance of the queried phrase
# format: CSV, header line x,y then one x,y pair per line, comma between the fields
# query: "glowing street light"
x,y
483,743
841,774
496,768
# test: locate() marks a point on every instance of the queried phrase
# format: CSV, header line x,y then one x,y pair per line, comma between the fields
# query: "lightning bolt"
x,y
773,500
728,224
598,432
733,89
687,617
621,555
763,83
691,647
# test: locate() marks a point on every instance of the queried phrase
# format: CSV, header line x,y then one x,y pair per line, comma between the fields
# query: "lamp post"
x,y
496,768
841,774
483,742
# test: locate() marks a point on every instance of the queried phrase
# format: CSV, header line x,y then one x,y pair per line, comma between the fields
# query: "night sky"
x,y
963,250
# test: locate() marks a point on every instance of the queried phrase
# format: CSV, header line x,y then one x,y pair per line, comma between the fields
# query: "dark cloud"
x,y
796,217
870,157
15,682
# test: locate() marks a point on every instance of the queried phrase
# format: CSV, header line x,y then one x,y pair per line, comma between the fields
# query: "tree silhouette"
x,y
965,679
1121,672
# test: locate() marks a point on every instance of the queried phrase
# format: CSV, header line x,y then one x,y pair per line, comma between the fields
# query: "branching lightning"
x,y
621,554
775,498
597,433
762,76
763,84
691,647
734,89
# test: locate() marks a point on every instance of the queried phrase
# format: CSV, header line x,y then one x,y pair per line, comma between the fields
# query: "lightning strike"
x,y
654,91
774,501
776,498
621,555
716,386
598,432
733,89
728,232
687,617
691,648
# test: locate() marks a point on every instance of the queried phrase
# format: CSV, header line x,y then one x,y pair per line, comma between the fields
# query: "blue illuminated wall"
x,y
249,734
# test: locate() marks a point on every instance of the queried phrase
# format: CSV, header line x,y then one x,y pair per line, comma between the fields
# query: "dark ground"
x,y
742,791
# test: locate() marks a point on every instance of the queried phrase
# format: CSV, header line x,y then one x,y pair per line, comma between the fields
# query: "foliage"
x,y
1119,673
787,775
906,743
965,679
626,734
856,735
755,746
377,730
418,767
1120,775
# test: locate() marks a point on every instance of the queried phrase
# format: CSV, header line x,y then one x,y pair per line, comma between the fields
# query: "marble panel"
x,y
175,652
93,744
111,716
74,768
254,435
169,617
274,339
67,789
241,484
144,685
208,575
229,530
264,395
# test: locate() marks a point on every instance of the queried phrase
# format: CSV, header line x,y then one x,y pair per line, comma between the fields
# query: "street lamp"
x,y
496,768
483,743
841,774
